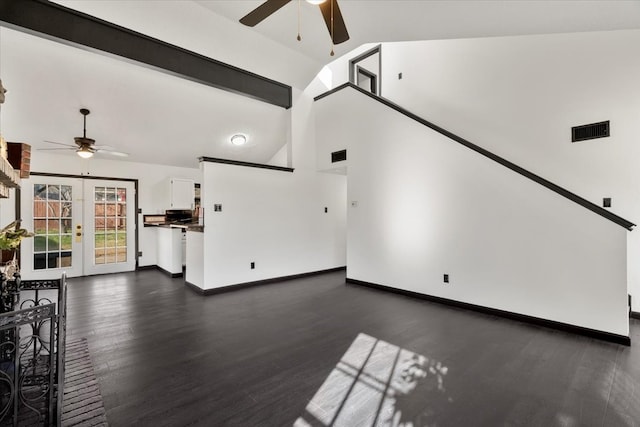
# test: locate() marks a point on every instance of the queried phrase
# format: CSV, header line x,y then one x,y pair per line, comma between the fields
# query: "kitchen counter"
x,y
173,249
169,250
191,226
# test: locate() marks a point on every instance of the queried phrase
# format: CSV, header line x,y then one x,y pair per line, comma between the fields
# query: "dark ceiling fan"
x,y
329,9
85,147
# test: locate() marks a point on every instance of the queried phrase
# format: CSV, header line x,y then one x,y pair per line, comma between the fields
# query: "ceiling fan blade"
x,y
60,143
113,153
340,34
50,149
261,12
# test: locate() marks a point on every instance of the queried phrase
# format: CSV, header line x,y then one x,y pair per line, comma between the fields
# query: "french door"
x,y
81,226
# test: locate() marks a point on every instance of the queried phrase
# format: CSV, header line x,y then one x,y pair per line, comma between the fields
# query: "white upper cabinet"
x,y
182,193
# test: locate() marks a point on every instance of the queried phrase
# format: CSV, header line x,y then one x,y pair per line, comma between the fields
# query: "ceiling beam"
x,y
61,24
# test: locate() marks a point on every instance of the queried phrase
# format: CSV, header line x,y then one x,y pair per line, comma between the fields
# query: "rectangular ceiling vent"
x,y
338,156
591,131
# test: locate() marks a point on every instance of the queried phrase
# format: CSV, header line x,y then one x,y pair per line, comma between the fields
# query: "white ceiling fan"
x,y
85,147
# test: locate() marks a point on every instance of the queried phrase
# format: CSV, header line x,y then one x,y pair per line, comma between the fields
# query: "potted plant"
x,y
10,238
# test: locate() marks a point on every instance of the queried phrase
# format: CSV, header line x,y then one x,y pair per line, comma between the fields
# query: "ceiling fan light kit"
x,y
84,152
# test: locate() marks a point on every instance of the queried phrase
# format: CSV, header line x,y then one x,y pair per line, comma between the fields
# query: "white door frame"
x,y
90,267
41,241
83,216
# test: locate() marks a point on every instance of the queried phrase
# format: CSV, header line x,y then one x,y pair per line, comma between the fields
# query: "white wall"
x,y
428,206
273,218
153,187
281,158
195,259
519,97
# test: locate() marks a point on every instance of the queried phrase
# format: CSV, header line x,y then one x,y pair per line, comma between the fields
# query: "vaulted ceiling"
x,y
163,119
370,21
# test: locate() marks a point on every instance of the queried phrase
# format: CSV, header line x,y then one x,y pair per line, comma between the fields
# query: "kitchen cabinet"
x,y
169,250
182,191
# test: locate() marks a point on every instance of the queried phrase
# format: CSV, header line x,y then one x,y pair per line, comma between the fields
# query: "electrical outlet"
x,y
399,76
606,202
446,278
140,254
326,209
253,265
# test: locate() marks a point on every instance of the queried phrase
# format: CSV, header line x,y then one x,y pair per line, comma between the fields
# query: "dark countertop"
x,y
189,227
158,225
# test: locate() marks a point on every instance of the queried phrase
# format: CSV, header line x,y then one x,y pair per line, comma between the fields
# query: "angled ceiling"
x,y
212,28
167,120
370,21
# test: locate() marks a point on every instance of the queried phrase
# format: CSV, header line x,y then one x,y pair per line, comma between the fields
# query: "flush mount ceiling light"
x,y
316,2
238,140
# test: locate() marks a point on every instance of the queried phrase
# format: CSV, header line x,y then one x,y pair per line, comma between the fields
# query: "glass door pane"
x,y
110,235
52,209
110,219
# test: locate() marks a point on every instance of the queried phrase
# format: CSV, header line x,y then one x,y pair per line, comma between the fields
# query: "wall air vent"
x,y
591,131
338,156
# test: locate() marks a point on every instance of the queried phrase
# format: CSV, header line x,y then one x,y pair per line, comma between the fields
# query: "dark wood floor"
x,y
317,352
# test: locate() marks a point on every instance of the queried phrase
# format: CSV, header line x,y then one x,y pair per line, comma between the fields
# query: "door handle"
x,y
78,233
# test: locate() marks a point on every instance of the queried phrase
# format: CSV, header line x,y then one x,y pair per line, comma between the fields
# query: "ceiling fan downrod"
x,y
85,113
332,53
299,3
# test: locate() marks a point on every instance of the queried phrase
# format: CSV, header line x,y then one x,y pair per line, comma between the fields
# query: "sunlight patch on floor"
x,y
378,384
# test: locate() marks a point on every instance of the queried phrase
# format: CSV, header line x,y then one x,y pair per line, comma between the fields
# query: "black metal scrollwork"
x,y
31,351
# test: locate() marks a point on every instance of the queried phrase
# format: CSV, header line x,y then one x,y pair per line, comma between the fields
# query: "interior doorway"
x,y
367,80
365,70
